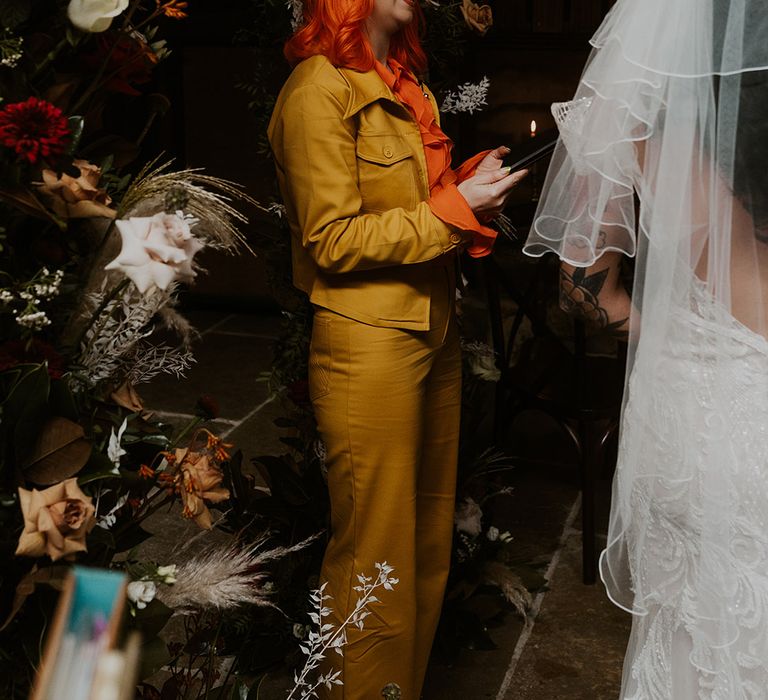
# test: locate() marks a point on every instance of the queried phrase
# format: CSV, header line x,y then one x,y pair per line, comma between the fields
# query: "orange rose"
x,y
479,18
77,197
200,481
56,520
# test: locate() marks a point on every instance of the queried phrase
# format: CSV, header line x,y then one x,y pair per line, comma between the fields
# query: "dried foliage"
x,y
225,578
209,199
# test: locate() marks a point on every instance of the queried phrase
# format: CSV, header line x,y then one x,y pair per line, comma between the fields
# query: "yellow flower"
x,y
56,520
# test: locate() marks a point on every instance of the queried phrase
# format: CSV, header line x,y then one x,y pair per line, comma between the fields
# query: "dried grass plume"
x,y
224,578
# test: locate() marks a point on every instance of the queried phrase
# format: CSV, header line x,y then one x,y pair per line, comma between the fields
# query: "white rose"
x,y
157,250
141,592
94,15
492,534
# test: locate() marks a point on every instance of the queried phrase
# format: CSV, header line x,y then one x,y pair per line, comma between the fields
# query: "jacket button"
x,y
388,153
455,238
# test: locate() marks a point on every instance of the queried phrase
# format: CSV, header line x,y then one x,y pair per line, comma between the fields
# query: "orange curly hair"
x,y
336,29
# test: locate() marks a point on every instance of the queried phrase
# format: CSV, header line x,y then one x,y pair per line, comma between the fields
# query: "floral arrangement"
x,y
98,237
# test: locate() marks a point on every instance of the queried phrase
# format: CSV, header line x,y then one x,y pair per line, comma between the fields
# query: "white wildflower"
x,y
34,320
109,519
114,450
49,286
469,97
6,296
141,593
167,573
10,50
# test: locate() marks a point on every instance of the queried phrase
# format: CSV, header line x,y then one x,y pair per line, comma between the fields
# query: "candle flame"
x,y
533,127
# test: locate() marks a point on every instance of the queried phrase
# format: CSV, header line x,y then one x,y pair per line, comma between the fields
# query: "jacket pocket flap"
x,y
382,149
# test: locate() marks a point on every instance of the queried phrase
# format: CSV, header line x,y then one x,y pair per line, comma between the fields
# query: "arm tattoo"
x,y
580,297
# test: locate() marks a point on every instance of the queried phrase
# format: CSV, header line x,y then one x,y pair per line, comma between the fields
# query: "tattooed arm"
x,y
596,295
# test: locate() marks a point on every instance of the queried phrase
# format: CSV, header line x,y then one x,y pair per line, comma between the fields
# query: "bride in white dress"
x,y
664,157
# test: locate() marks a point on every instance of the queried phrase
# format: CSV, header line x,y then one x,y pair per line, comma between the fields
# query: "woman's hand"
x,y
489,188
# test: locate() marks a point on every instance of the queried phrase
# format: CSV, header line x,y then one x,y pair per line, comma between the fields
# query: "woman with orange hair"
x,y
377,216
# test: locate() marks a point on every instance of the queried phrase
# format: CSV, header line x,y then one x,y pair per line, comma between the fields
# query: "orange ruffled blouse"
x,y
445,200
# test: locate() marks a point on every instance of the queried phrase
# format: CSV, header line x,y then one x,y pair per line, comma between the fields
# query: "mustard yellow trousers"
x,y
387,403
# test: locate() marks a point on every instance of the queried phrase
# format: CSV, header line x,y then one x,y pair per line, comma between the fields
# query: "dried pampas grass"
x,y
224,578
207,198
510,584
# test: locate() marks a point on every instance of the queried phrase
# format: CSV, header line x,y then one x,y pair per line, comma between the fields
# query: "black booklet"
x,y
525,154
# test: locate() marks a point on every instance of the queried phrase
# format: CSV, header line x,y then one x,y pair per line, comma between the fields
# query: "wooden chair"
x,y
582,393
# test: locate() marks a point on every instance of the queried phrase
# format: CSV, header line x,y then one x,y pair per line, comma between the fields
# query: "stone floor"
x,y
572,646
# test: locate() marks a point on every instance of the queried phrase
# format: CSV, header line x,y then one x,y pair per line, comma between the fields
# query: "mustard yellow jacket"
x,y
353,176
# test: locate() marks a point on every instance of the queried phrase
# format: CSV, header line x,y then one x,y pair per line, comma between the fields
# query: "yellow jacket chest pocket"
x,y
386,172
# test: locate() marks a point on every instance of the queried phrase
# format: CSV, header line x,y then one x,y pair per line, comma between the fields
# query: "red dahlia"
x,y
34,129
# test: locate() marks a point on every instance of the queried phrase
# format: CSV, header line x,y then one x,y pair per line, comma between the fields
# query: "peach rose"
x,y
56,520
200,481
77,197
479,18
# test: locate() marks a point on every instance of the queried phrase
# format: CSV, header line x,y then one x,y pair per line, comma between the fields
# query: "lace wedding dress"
x,y
664,157
695,443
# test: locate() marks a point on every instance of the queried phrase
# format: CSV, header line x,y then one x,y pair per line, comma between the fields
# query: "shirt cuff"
x,y
449,206
468,167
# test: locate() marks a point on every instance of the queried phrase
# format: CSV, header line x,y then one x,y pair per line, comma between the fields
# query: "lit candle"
x,y
533,128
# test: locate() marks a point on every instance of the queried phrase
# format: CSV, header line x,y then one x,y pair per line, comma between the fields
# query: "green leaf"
x,y
154,655
152,619
26,410
62,401
293,442
133,537
14,12
76,124
100,536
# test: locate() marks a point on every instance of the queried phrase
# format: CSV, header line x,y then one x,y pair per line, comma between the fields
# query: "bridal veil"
x,y
663,156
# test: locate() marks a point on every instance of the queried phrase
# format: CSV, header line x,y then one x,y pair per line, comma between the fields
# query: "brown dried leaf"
x,y
54,576
60,452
